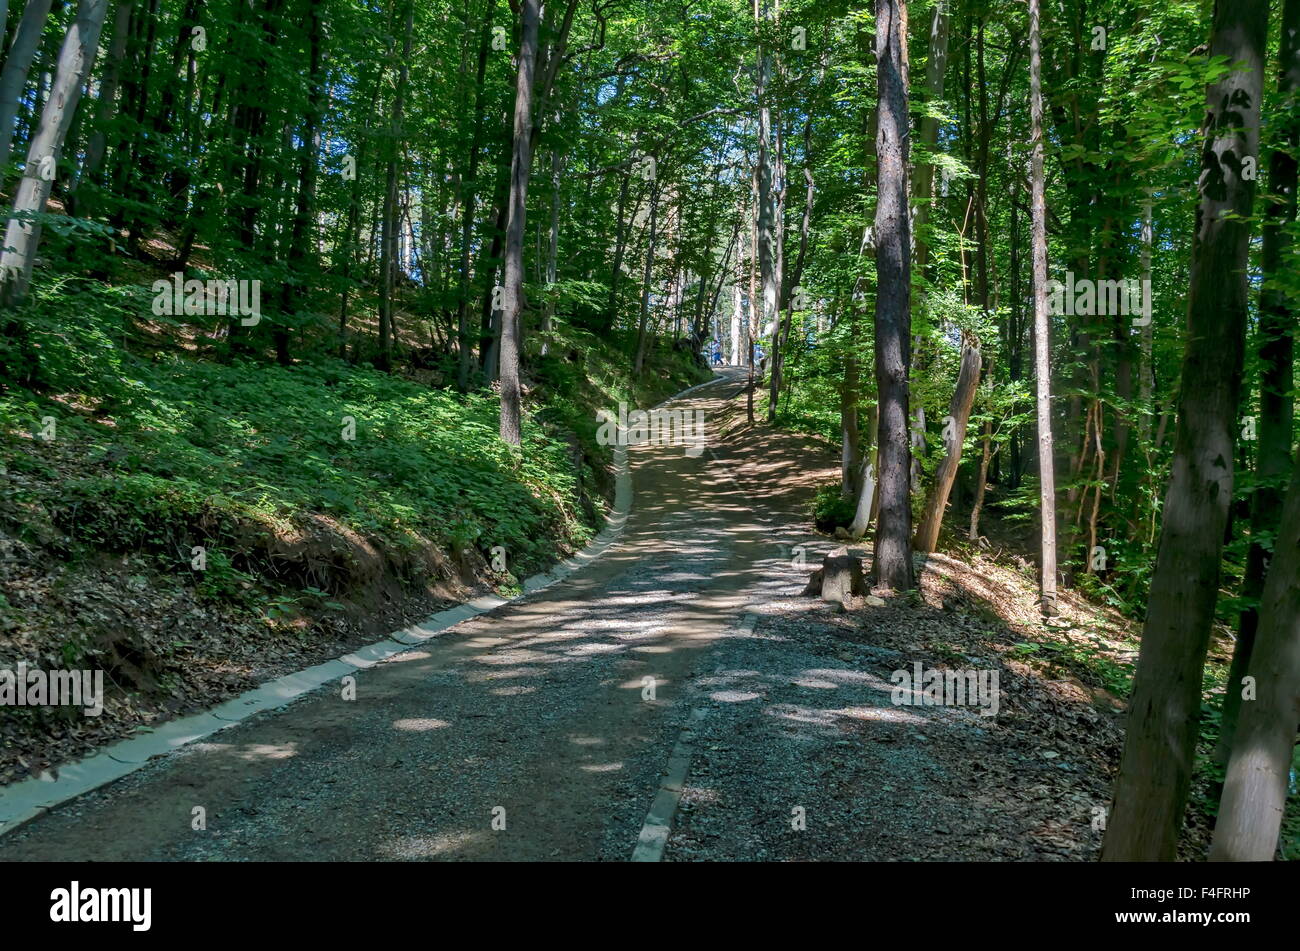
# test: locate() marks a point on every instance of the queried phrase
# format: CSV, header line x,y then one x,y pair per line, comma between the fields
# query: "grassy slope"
x,y
312,541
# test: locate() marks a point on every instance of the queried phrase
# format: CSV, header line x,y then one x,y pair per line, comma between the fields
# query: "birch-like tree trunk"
x,y
1042,327
13,77
76,56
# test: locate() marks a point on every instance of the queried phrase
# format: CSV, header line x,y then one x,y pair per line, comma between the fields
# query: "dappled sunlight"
x,y
829,718
409,847
420,724
487,676
733,696
270,751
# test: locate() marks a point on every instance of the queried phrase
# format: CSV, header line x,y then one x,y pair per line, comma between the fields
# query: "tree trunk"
x,y
764,198
105,109
1145,379
936,66
304,205
469,204
520,165
963,398
868,498
642,324
788,288
13,77
620,244
388,240
850,431
981,483
552,248
1164,711
893,549
75,59
1276,358
1042,328
1255,787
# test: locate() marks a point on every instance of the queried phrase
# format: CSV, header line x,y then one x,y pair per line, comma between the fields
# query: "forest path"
x,y
538,707
771,716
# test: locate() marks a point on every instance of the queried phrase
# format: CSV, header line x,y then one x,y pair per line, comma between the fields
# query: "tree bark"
x,y
105,109
963,398
1255,787
642,328
469,204
981,482
305,201
765,198
76,56
1042,328
1276,358
13,77
850,431
936,66
893,548
388,263
1164,710
520,165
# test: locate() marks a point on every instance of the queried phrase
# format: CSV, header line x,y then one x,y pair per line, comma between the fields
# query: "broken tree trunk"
x,y
840,577
963,398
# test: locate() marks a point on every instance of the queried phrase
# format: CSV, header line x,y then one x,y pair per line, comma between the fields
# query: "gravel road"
x,y
544,730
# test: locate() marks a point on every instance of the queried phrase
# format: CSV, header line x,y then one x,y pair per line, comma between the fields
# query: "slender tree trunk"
x,y
388,240
1015,348
1164,711
642,324
304,215
850,431
867,496
13,77
1144,366
520,165
469,205
893,549
552,248
620,244
981,483
1042,328
105,109
788,288
751,329
936,66
490,315
736,317
75,59
765,198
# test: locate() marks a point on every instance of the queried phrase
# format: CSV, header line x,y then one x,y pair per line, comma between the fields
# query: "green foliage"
x,y
831,510
161,452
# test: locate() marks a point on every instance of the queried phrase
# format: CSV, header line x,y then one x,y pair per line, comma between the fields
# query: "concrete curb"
x,y
25,800
658,823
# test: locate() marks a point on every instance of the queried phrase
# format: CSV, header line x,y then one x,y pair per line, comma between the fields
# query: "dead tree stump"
x,y
839,577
